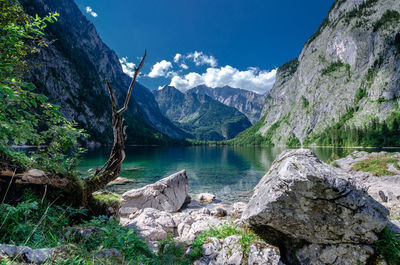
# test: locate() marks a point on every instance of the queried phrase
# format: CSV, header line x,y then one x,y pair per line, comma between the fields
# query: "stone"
x,y
152,224
219,212
230,251
193,223
108,253
167,194
261,253
237,210
303,198
206,197
119,181
38,256
343,254
22,253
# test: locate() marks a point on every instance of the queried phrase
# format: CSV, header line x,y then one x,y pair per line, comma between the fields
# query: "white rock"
x,y
167,194
152,224
206,197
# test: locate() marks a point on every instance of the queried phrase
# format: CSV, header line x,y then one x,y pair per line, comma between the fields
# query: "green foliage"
x,y
388,247
362,10
396,42
223,231
390,16
304,102
172,252
374,133
290,67
26,117
40,224
333,67
33,223
376,165
361,93
293,141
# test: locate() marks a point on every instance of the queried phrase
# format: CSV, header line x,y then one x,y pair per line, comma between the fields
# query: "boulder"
x,y
167,194
206,197
303,201
151,224
237,210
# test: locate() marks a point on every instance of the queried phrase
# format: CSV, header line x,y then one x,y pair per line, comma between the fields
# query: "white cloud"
x,y
199,58
177,57
253,79
184,66
90,11
161,69
127,67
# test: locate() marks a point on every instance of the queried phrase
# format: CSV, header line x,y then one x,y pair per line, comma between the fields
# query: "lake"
x,y
229,172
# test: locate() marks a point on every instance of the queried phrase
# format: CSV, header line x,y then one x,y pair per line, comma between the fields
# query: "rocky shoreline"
x,y
322,213
303,211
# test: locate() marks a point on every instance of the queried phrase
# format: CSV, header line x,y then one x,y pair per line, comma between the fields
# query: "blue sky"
x,y
221,42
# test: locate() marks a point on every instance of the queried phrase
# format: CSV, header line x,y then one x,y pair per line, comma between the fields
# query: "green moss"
x,y
389,17
103,200
376,165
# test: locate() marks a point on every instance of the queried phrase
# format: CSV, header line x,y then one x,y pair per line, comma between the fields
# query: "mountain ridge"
x,y
200,115
247,102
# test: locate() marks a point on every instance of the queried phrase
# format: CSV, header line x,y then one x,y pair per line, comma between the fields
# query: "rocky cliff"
x,y
200,115
71,72
247,102
345,81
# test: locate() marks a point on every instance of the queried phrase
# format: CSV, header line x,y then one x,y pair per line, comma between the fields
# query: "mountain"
x,y
247,102
200,115
71,73
344,87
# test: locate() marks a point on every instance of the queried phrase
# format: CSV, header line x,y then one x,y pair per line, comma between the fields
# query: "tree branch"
x,y
128,96
112,96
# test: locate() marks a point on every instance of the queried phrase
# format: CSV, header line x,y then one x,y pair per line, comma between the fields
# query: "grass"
x,y
376,165
38,224
388,247
221,232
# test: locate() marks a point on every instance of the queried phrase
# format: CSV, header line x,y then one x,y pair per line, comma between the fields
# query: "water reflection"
x,y
229,172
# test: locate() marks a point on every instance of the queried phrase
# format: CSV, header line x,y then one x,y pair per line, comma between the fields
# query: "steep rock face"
x,y
200,115
247,102
71,72
348,71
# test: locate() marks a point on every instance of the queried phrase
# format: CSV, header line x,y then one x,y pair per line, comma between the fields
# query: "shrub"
x,y
388,247
390,16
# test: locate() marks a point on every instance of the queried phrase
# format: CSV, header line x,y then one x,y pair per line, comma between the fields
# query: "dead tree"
x,y
112,168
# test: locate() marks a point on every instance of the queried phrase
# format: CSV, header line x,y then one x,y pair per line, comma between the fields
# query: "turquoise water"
x,y
228,172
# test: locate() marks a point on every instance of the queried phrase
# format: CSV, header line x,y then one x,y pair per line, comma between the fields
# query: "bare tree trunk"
x,y
112,168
